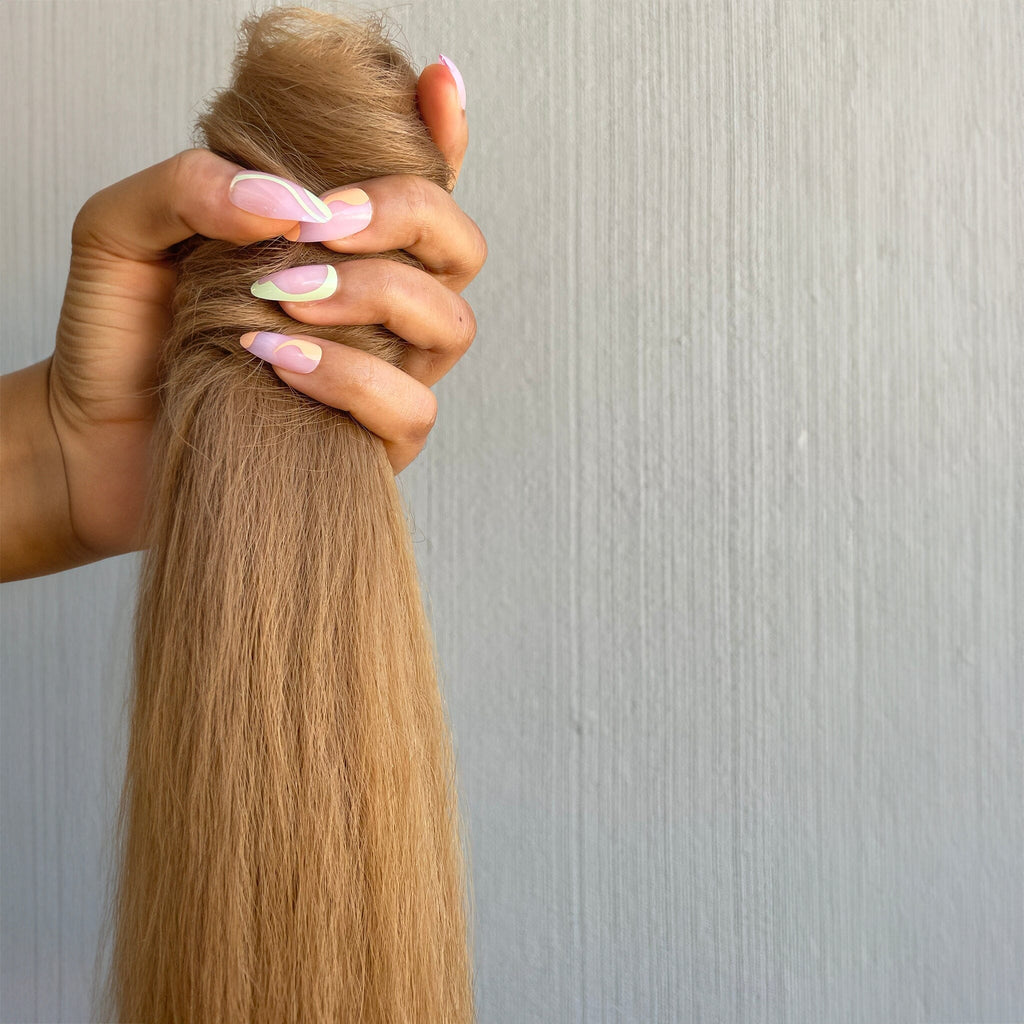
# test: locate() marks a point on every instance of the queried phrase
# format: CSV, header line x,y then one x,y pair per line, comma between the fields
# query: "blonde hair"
x,y
290,840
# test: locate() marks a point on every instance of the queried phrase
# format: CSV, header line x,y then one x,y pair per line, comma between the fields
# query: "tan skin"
x,y
74,448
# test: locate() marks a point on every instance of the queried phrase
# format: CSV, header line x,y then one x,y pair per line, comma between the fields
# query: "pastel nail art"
x,y
298,284
350,211
271,196
455,73
294,354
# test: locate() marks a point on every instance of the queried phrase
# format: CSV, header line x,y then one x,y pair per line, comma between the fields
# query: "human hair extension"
x,y
289,838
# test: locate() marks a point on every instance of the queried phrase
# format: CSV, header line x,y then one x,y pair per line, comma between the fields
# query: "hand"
x,y
99,385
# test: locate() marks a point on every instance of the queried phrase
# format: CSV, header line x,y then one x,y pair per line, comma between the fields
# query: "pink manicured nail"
x,y
455,73
294,354
350,211
271,196
298,284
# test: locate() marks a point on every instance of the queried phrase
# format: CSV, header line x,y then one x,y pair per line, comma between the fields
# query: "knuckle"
x,y
365,380
422,193
183,176
466,319
418,411
375,288
185,169
472,255
479,257
418,196
385,282
84,227
422,418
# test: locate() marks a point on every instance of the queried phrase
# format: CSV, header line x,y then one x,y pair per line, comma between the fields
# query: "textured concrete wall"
x,y
721,521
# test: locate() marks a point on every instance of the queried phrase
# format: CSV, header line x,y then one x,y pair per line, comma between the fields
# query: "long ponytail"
x,y
289,827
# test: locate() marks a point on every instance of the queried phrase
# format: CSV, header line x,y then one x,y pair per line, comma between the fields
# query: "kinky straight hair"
x,y
289,844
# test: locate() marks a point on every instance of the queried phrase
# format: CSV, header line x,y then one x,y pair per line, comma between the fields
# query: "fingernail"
x,y
294,354
459,83
298,284
350,211
271,196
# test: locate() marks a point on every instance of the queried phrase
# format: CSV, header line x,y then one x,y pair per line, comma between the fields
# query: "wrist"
x,y
36,533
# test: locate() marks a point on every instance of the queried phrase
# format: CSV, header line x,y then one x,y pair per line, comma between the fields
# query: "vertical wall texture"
x,y
722,523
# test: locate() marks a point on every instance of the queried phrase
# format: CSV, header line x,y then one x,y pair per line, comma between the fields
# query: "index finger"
x,y
442,101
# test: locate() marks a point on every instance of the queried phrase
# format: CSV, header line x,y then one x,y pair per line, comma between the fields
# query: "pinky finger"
x,y
383,398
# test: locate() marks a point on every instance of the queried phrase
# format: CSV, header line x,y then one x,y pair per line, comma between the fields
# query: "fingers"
x,y
191,193
198,192
402,211
134,222
382,397
437,323
441,95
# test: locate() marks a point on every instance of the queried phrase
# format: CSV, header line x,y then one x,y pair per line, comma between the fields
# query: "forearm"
x,y
36,535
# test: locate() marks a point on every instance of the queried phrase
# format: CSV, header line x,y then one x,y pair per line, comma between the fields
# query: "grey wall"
x,y
721,521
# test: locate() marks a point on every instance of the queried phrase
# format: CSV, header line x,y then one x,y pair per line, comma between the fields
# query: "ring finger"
x,y
437,323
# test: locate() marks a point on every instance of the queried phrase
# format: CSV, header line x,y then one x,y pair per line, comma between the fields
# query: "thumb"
x,y
195,192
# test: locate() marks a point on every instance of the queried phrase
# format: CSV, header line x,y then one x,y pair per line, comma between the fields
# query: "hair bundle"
x,y
290,848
